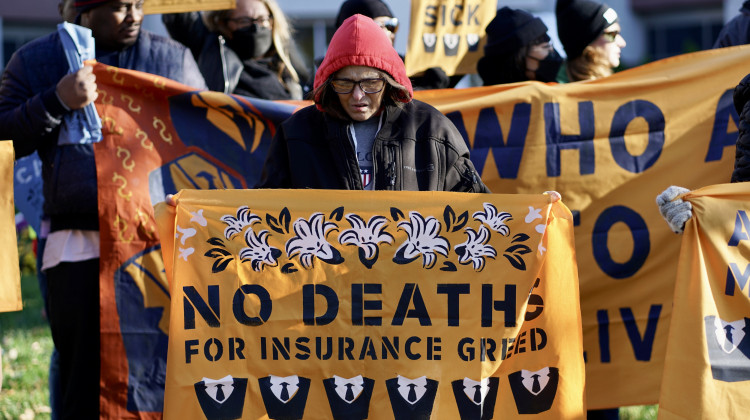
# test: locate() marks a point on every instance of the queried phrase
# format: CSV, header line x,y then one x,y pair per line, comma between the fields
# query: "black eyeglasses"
x,y
343,86
244,22
610,36
391,25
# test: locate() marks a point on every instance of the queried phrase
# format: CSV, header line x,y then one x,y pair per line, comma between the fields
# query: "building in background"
x,y
654,29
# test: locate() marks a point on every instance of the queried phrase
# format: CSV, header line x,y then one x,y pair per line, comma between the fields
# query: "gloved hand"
x,y
675,212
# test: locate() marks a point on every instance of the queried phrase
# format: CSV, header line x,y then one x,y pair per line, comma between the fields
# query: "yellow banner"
x,y
10,275
369,304
448,34
707,365
179,6
610,147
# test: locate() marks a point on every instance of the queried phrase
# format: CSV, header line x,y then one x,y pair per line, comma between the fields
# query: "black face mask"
x,y
251,42
548,68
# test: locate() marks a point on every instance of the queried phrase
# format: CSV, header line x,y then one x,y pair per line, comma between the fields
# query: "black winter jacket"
x,y
742,155
737,30
416,149
222,67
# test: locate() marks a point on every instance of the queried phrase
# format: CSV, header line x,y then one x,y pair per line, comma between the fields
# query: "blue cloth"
x,y
80,125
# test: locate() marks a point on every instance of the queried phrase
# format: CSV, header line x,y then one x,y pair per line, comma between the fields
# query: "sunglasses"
x,y
344,86
610,36
391,25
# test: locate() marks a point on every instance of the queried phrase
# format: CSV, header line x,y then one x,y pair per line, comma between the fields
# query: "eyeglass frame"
x,y
391,25
610,36
358,83
266,21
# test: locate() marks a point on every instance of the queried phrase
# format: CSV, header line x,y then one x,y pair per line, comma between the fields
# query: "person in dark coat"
x,y
247,50
737,30
37,92
365,131
517,49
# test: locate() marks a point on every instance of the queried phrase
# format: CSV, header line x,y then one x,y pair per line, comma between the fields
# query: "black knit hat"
x,y
512,29
369,8
580,22
84,5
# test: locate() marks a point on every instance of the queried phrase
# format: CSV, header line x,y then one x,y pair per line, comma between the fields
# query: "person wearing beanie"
x,y
517,49
590,34
37,94
737,30
365,131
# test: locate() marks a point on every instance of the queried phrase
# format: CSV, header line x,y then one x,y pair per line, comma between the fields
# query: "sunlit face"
x,y
115,25
536,54
247,13
360,106
612,43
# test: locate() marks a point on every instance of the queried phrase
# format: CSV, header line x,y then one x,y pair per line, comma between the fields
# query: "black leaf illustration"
x,y
448,266
273,224
285,218
220,264
217,253
288,268
516,261
449,216
461,222
396,214
337,214
521,237
518,249
216,241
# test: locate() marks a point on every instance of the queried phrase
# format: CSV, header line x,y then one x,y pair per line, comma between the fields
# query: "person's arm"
x,y
27,117
191,74
460,173
188,29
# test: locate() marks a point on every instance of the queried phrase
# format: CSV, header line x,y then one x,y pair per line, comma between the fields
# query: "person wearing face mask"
x,y
517,49
590,33
247,50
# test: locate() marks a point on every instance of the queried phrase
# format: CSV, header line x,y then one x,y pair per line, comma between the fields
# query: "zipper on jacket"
x,y
224,68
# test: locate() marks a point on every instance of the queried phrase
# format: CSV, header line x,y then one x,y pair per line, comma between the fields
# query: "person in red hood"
x,y
365,130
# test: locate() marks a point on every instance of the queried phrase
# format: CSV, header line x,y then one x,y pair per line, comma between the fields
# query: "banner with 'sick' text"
x,y
355,305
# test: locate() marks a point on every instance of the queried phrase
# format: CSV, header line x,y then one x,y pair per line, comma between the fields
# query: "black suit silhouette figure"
x,y
229,400
412,407
540,393
285,406
476,407
350,406
728,348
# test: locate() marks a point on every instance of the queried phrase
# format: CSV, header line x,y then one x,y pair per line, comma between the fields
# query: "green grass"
x,y
26,347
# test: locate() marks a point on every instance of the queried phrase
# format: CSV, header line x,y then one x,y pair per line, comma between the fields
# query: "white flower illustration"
x,y
475,249
235,224
494,219
366,236
423,239
258,252
311,242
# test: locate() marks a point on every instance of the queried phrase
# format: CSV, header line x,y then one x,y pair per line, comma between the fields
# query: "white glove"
x,y
675,212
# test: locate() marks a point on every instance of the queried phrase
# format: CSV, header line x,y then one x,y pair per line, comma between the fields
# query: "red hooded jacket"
x,y
360,42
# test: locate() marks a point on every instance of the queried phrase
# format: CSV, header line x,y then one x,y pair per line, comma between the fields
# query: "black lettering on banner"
x,y
641,241
583,142
642,344
454,307
192,301
508,305
238,306
720,137
359,304
308,304
411,294
622,118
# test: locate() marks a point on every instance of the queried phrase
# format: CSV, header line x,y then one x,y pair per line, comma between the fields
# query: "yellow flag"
x,y
180,6
10,276
448,34
707,363
371,304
